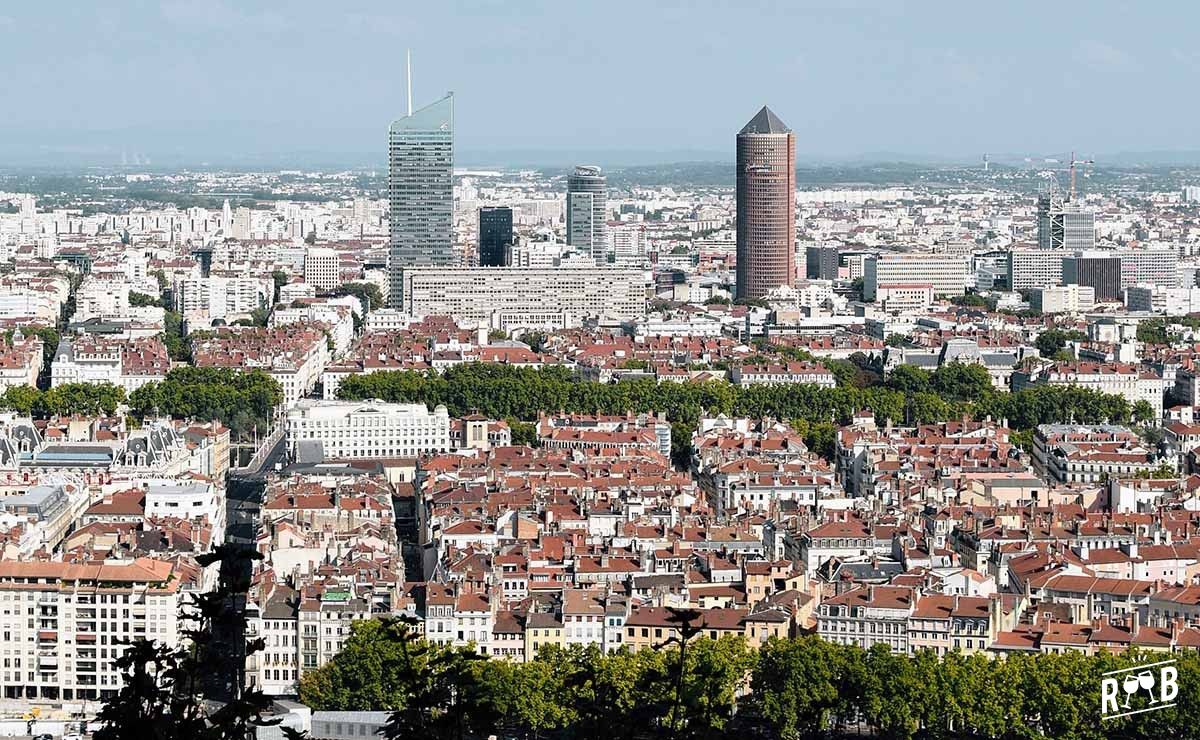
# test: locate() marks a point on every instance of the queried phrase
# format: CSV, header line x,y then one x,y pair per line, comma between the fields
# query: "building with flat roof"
x,y
1099,270
1063,299
1035,268
947,274
367,429
495,235
512,297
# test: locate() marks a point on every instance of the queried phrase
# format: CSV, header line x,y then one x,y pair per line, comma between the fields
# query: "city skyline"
x,y
920,87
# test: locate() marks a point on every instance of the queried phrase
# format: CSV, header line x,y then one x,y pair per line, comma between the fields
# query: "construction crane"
x,y
1073,163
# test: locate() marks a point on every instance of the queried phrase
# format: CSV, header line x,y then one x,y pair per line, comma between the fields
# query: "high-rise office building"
x,y
420,190
587,212
766,207
821,263
1100,270
1064,224
495,235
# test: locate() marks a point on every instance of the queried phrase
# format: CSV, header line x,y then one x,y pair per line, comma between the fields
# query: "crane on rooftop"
x,y
1073,163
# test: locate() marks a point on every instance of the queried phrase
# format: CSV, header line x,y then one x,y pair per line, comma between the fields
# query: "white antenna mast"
x,y
408,74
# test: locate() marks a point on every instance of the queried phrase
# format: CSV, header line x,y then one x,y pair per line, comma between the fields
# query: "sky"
x,y
853,78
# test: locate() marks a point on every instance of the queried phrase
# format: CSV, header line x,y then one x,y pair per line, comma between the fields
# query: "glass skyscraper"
x,y
587,212
420,191
495,235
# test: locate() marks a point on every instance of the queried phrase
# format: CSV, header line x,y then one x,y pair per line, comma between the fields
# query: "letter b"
x,y
1169,680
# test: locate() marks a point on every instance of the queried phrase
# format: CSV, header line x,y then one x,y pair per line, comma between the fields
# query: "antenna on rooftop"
x,y
408,76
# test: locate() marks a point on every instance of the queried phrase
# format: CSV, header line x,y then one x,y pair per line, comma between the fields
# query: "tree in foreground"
x,y
167,689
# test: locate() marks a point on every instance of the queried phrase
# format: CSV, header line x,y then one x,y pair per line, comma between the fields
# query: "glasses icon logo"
x,y
1138,680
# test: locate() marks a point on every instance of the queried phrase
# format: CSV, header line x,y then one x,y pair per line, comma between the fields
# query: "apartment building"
x,y
515,297
294,355
1159,299
868,615
220,297
1035,268
1063,299
1068,453
1127,380
20,360
322,268
129,364
65,624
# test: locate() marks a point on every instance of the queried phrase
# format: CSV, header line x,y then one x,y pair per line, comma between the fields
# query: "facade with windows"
x,y
368,429
64,625
587,212
420,190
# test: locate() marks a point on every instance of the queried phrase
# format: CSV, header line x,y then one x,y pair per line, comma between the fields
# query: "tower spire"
x,y
408,77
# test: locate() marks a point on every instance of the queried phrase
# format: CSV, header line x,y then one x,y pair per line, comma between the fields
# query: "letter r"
x,y
1108,695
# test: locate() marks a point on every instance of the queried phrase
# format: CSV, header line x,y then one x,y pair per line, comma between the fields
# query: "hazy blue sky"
x,y
850,77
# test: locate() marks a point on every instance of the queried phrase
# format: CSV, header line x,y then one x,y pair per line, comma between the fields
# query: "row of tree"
x,y
909,396
238,399
241,400
796,688
87,399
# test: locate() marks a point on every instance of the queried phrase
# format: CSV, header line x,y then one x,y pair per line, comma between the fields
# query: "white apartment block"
x,y
184,500
28,304
100,363
948,274
322,268
1121,379
511,297
1035,268
367,429
226,298
1154,266
626,243
1168,301
100,299
388,319
65,624
1063,299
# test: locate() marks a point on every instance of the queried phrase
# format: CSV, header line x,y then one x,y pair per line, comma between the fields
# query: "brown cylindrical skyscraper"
x,y
766,205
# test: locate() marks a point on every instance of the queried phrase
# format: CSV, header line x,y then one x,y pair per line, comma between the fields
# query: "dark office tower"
x,y
420,191
821,263
766,205
587,212
1099,270
495,235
